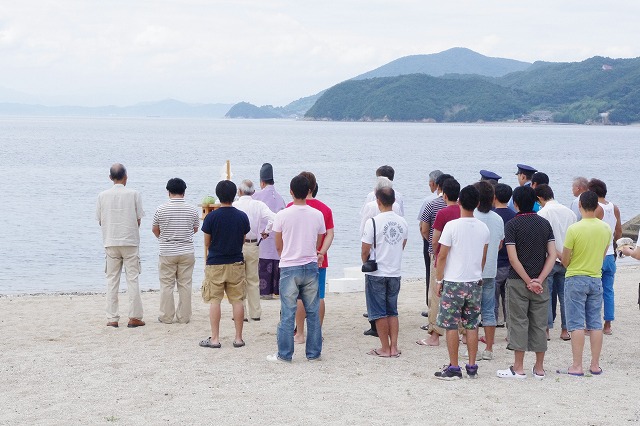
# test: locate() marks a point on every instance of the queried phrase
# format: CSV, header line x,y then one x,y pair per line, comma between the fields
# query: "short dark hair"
x,y
525,198
469,197
176,186
540,178
386,196
440,179
117,172
312,180
451,188
589,201
386,171
226,191
268,181
599,187
300,187
503,192
315,191
544,191
486,193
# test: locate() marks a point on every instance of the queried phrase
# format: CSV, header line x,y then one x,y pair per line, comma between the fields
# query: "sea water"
x,y
52,169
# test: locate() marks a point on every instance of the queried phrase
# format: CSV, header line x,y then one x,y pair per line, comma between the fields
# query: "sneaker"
x,y
465,355
449,372
314,359
472,371
275,358
371,332
487,355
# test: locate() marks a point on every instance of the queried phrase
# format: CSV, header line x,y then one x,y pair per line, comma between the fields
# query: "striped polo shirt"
x,y
176,220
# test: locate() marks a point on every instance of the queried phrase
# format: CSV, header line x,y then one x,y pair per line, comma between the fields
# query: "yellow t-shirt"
x,y
588,239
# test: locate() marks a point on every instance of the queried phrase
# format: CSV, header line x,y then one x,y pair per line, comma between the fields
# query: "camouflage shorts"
x,y
460,302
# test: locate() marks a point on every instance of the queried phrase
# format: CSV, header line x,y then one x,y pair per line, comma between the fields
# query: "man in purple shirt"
x,y
268,264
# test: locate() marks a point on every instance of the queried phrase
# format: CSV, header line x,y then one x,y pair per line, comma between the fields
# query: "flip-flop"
x,y
536,375
238,344
608,332
423,342
206,343
566,339
566,371
374,352
596,373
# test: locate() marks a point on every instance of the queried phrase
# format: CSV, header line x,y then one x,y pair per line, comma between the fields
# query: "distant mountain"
x,y
597,90
458,60
453,61
166,108
295,109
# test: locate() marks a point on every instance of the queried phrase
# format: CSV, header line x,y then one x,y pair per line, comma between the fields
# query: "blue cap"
x,y
486,175
523,168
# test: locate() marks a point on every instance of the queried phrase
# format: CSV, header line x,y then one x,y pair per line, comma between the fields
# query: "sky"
x,y
121,52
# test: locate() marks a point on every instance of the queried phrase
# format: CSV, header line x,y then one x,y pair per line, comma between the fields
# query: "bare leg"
x,y
539,365
564,334
472,345
238,319
433,339
394,327
321,311
382,324
607,327
596,348
453,345
489,337
518,362
214,318
301,314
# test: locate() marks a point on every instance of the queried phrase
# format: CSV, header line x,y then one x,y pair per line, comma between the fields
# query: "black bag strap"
x,y
374,238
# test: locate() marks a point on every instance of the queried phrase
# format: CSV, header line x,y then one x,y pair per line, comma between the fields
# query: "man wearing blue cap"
x,y
524,173
489,175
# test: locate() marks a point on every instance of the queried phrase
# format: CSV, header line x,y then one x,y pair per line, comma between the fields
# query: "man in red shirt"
x,y
324,247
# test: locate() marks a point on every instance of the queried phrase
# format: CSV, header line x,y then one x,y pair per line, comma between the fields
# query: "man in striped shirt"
x,y
174,224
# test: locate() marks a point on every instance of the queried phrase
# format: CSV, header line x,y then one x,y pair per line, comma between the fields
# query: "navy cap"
x,y
523,168
486,175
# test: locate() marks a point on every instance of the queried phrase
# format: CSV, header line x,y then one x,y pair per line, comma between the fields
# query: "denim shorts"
x,y
489,302
583,303
382,296
460,303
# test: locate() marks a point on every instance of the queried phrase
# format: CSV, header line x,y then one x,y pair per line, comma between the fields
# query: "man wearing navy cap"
x,y
489,175
524,173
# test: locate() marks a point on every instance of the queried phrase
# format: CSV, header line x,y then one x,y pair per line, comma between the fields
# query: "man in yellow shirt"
x,y
585,246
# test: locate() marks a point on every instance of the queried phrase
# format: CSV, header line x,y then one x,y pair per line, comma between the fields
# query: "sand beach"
x,y
62,365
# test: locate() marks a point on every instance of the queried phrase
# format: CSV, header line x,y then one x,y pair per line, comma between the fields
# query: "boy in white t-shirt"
x,y
463,253
383,285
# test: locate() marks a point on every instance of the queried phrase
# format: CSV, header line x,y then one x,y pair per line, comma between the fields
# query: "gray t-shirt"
x,y
496,234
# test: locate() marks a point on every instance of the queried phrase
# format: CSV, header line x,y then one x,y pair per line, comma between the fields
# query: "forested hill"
x,y
595,90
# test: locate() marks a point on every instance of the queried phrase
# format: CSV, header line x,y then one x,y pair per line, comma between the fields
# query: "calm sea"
x,y
52,169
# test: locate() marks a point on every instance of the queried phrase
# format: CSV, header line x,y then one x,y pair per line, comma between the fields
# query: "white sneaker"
x,y
487,355
275,358
465,355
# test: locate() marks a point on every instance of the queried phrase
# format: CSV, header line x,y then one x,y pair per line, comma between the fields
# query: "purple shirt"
x,y
271,198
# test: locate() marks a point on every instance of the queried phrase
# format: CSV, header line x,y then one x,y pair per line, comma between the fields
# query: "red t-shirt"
x,y
328,222
445,215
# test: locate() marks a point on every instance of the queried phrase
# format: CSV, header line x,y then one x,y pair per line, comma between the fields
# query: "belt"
x,y
250,241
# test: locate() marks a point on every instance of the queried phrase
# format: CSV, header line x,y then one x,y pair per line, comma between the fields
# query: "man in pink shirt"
x,y
298,234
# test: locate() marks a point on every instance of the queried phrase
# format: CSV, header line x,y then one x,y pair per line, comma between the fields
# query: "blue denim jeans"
x,y
301,280
556,292
583,296
608,274
488,305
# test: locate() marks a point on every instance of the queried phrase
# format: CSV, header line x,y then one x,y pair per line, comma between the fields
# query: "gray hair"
x,y
383,182
581,182
246,187
434,175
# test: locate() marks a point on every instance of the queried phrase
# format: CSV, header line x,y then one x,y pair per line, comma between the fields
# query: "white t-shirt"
x,y
399,199
370,210
496,234
391,233
466,238
300,227
560,217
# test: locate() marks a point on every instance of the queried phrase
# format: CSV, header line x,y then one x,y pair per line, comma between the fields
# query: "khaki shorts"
x,y
221,279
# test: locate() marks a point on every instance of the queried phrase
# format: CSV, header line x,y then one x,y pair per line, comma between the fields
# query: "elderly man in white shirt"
x,y
560,217
370,208
260,218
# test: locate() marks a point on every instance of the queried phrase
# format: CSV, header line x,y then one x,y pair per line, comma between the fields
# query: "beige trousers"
x,y
251,254
172,271
434,300
116,258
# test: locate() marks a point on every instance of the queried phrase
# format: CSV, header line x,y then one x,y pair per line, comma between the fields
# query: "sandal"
x,y
206,343
238,344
